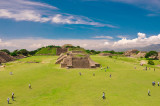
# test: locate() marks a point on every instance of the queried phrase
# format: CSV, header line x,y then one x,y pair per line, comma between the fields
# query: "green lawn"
x,y
53,86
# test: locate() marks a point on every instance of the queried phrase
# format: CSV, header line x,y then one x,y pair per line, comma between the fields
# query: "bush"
x,y
150,62
13,54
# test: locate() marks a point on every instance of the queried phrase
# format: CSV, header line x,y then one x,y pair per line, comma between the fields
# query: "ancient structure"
x,y
141,54
61,50
130,52
76,59
105,54
4,57
158,55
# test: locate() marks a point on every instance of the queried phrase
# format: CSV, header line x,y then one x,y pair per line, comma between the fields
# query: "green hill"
x,y
46,51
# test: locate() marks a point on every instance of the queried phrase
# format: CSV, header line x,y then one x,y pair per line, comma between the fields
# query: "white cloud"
x,y
103,37
140,41
25,10
98,44
34,43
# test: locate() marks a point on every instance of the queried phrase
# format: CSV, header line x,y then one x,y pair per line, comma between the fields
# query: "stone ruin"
x,y
130,52
4,57
61,50
158,55
76,59
106,54
141,54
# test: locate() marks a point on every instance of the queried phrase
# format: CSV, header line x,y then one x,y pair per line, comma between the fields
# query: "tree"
x,y
151,53
5,50
150,62
23,52
13,54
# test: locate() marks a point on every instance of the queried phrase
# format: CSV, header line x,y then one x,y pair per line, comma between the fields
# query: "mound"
x,y
4,57
141,54
105,54
131,52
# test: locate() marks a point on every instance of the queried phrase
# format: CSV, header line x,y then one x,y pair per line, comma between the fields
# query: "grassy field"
x,y
53,86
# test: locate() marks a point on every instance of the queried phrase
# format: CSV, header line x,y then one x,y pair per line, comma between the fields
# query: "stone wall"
x,y
4,57
61,50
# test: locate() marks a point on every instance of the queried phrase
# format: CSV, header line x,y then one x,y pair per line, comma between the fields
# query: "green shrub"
x,y
150,62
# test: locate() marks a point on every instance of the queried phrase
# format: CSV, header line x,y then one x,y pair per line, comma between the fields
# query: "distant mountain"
x,y
155,47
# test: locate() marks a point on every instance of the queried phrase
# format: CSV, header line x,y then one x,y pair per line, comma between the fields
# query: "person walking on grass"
x,y
29,86
105,69
146,68
93,74
80,73
148,92
8,100
12,97
12,94
154,69
158,83
103,96
110,75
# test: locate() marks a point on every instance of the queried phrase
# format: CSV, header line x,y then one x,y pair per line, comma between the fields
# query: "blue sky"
x,y
92,24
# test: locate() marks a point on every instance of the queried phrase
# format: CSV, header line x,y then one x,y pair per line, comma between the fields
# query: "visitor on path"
x,y
12,94
103,96
154,69
93,74
110,75
153,83
105,69
146,68
12,97
8,100
149,92
80,73
134,67
158,83
101,68
29,86
149,68
11,73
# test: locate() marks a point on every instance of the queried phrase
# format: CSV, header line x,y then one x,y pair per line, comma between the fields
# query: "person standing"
x,y
12,94
146,68
12,97
8,100
29,86
103,96
110,75
158,83
93,74
148,92
80,73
